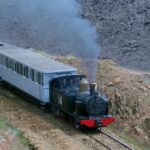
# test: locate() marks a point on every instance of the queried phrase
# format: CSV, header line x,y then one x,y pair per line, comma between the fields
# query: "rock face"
x,y
129,98
123,29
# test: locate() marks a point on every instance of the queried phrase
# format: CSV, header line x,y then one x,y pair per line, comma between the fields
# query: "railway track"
x,y
104,139
110,142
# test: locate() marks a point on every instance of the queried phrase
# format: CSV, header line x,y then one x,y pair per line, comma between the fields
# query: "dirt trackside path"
x,y
44,130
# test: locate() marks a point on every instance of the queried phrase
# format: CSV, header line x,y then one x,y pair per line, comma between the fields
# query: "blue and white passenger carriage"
x,y
30,71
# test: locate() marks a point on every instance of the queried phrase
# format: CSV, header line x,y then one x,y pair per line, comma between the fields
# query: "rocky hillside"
x,y
123,29
129,94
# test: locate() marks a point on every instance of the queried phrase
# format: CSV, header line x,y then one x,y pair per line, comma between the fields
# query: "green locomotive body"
x,y
73,96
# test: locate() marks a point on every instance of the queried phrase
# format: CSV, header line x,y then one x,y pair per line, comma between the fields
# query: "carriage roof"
x,y
34,60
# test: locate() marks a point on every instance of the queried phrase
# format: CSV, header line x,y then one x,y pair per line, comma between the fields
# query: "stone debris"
x,y
114,82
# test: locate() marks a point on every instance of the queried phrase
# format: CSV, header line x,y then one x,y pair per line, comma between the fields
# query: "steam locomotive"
x,y
55,85
79,99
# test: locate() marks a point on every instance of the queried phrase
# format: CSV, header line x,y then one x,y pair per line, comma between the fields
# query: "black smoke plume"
x,y
51,25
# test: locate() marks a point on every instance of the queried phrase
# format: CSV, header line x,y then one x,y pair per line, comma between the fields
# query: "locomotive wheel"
x,y
99,128
76,123
58,112
65,117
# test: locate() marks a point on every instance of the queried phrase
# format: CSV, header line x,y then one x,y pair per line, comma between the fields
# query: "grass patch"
x,y
133,141
20,141
124,135
3,123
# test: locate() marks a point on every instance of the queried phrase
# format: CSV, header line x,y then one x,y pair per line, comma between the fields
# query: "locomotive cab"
x,y
74,96
64,91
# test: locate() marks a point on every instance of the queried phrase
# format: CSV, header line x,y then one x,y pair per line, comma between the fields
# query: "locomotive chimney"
x,y
93,88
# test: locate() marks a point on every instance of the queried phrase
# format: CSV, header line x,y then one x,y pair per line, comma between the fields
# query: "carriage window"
x,y
6,61
13,65
26,72
32,75
17,67
9,63
21,70
1,59
39,78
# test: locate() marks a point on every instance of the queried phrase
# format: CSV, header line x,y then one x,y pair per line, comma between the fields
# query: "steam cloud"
x,y
52,25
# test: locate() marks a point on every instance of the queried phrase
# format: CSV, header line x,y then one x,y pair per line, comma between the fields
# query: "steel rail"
x,y
115,139
98,141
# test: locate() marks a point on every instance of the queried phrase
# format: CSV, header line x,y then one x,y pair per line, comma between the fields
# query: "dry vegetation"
x,y
129,94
